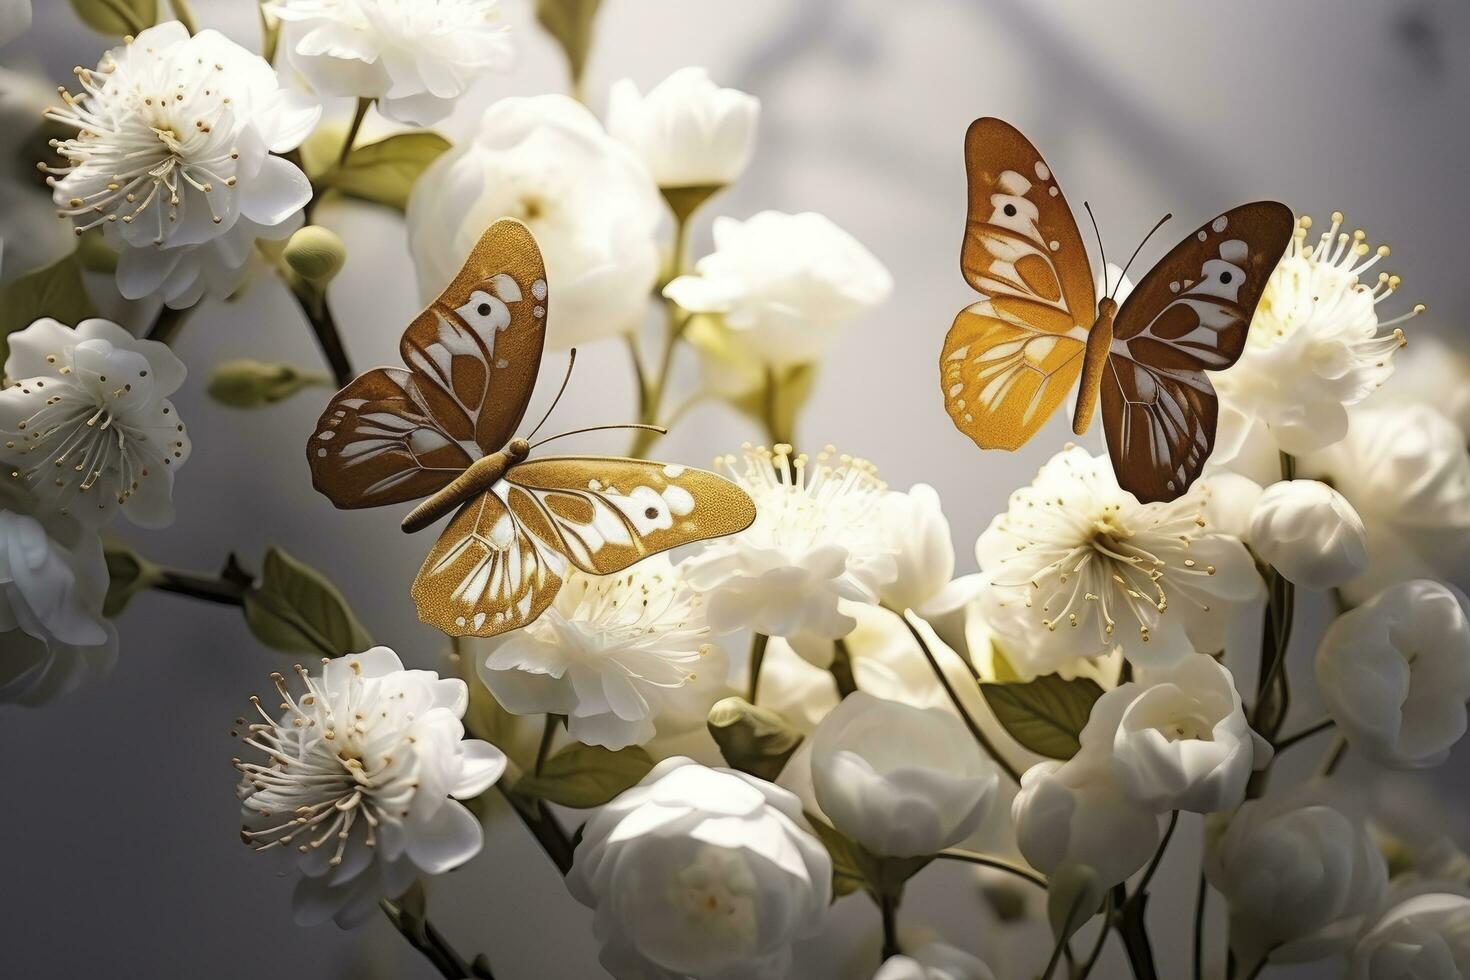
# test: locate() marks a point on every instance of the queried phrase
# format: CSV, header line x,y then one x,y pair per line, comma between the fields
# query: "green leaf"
x,y
250,384
1045,715
117,17
55,291
295,608
128,573
384,172
584,776
570,22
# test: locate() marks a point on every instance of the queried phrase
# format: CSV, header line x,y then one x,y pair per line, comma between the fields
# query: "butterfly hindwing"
x,y
393,434
1188,315
1010,359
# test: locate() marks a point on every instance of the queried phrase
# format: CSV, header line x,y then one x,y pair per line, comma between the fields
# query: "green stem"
x,y
1061,946
1133,930
206,588
1333,758
548,735
184,15
422,936
959,706
1199,925
653,388
995,863
888,907
358,115
1099,943
758,642
544,826
841,669
167,324
323,325
1304,734
1139,893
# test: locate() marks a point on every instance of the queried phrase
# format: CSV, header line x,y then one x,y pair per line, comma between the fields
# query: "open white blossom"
x,y
1404,469
1094,568
916,529
784,284
701,873
688,131
1180,741
1314,347
361,781
588,200
901,781
88,425
1426,937
415,57
53,580
1301,879
933,961
173,158
623,657
1309,532
817,539
1395,673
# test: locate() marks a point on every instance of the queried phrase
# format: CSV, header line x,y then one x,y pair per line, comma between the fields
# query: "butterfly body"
x,y
1010,360
441,429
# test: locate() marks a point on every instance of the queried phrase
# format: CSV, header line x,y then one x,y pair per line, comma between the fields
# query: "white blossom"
x,y
173,160
588,200
1433,372
1395,673
88,425
817,539
934,961
361,780
415,57
623,657
917,531
1314,347
53,580
688,131
1426,937
1404,469
701,873
1094,568
901,781
783,284
1301,879
1309,532
1180,741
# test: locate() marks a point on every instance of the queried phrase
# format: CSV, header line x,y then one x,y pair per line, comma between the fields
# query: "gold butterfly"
x,y
1010,359
442,428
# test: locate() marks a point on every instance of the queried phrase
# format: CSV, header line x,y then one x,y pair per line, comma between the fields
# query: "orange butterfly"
x,y
1010,359
442,429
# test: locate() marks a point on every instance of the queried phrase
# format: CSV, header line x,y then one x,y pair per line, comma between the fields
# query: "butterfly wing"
x,y
1189,315
393,434
486,574
1010,359
606,513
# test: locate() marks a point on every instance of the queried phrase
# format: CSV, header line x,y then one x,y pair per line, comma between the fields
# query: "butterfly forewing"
x,y
1010,359
1189,315
395,435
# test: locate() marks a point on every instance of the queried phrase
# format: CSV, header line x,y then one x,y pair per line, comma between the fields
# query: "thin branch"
x,y
758,642
422,936
888,908
544,826
167,324
1199,926
324,327
1153,865
358,115
548,735
1102,940
1061,946
841,669
1304,734
1333,758
995,863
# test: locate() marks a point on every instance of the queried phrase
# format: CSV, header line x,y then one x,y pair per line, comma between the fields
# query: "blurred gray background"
x,y
118,816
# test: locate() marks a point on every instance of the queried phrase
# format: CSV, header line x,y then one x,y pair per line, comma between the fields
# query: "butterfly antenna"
x,y
571,363
1140,249
599,428
1098,235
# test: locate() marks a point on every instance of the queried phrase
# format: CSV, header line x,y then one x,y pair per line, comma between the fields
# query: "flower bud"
x,y
1310,533
754,740
316,254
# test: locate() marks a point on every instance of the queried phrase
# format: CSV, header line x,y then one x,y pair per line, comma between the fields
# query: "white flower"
x,y
1093,567
1309,532
1313,348
934,961
1405,471
1426,937
1395,673
15,19
702,873
53,580
590,203
1300,877
360,782
1074,817
817,539
173,159
688,131
1180,741
623,657
415,57
917,531
900,781
784,284
88,425
1435,373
